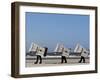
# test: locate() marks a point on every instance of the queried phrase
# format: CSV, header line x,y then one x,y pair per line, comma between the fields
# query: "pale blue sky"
x,y
49,29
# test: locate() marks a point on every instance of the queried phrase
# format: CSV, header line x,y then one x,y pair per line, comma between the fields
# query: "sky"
x,y
46,30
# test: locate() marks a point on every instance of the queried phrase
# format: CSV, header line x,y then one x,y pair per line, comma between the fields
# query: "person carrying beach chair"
x,y
40,52
64,55
83,55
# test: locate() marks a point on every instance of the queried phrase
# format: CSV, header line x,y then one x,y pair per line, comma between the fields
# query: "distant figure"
x,y
83,54
40,52
65,54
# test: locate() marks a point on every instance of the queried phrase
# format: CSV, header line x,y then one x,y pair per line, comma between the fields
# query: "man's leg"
x,y
61,59
83,59
36,59
80,60
40,59
65,59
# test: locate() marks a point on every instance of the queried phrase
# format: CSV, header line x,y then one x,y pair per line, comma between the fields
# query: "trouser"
x,y
38,58
82,59
63,58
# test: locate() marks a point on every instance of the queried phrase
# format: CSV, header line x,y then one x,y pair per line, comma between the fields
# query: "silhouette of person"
x,y
40,52
64,55
82,56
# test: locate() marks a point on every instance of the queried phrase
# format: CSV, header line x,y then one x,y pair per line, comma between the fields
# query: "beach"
x,y
54,60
